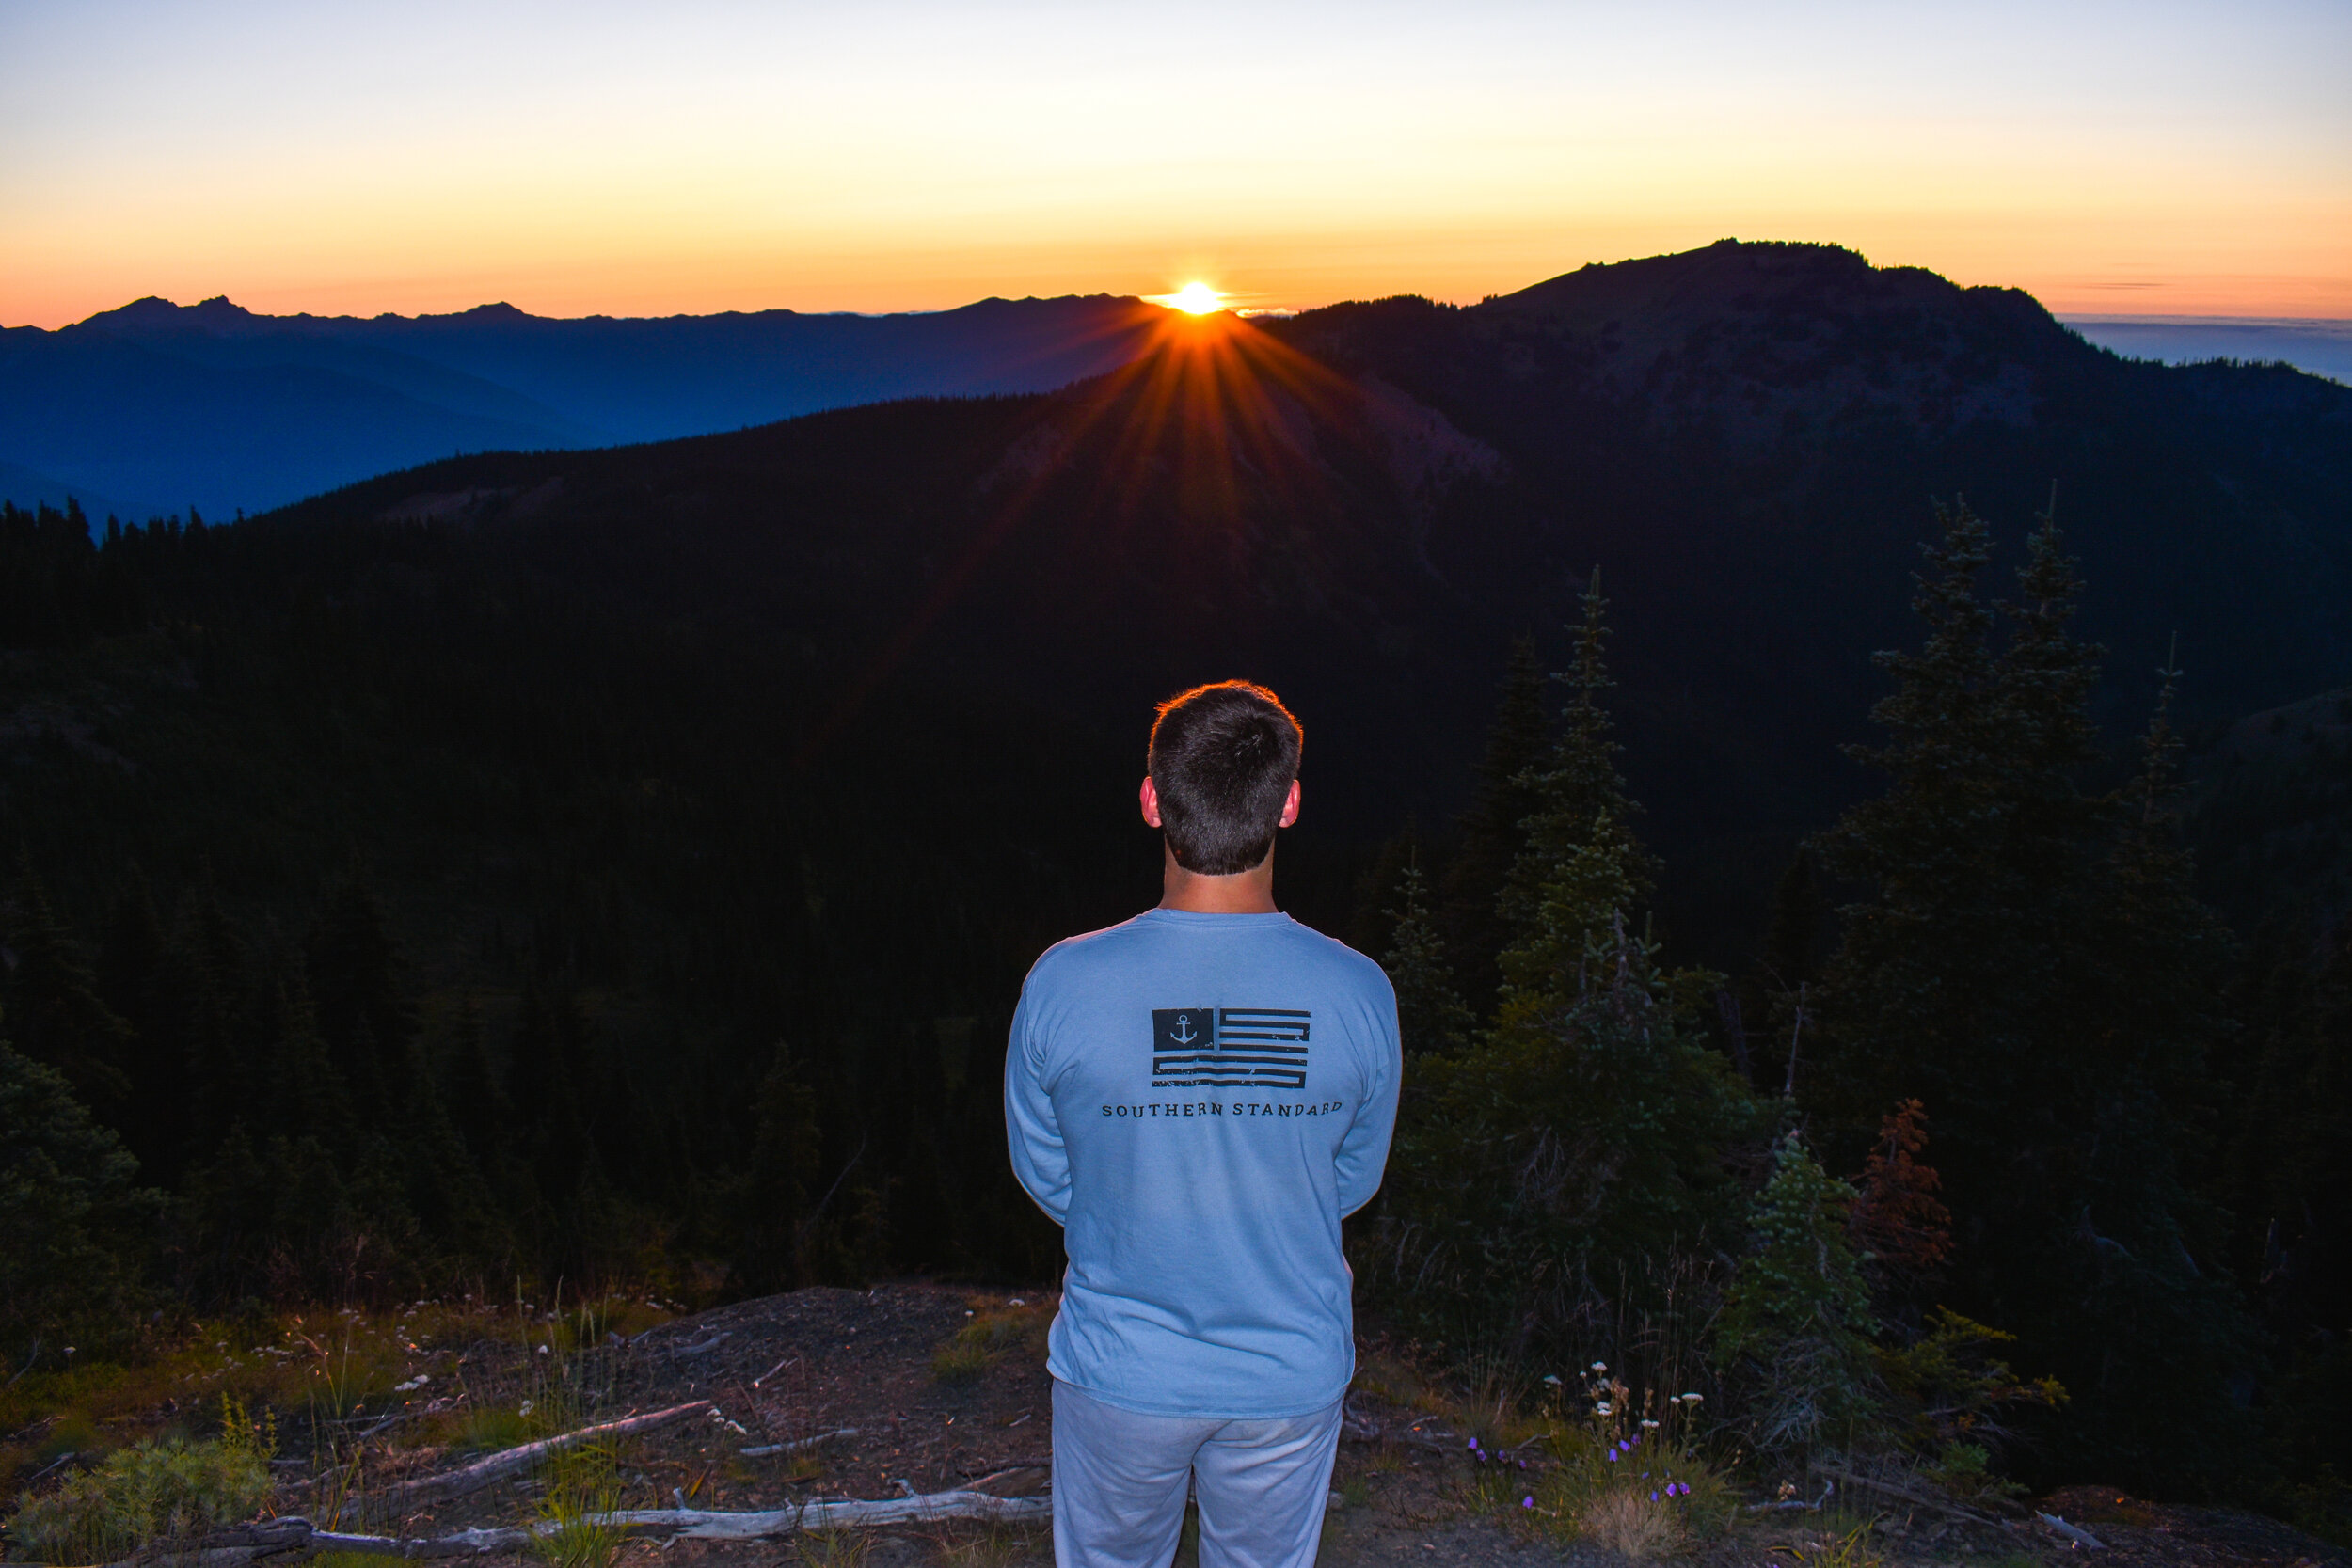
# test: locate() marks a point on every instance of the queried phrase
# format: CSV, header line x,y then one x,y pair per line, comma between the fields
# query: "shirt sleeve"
x,y
1364,1151
1041,1161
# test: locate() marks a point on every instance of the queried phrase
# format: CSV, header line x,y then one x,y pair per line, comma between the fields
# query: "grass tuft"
x,y
154,1491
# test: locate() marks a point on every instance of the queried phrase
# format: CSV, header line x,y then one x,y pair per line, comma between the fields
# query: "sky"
x,y
697,155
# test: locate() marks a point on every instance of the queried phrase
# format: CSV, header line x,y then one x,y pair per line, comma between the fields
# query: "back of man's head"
x,y
1222,759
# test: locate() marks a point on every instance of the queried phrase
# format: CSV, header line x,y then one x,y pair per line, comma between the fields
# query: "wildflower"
x,y
1645,1421
1613,1456
1600,1365
1551,1380
1474,1442
1691,1399
1527,1502
1653,1496
1604,1408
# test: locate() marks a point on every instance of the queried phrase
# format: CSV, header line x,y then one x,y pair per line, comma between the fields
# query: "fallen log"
x,y
832,1513
280,1543
2074,1533
498,1467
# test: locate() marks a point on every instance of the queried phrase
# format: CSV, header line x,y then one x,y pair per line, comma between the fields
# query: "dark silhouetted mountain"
x,y
165,405
1361,504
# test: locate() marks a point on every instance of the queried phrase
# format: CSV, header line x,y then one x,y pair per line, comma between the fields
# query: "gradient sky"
x,y
695,155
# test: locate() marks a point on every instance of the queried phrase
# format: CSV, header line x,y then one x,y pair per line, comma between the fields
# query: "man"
x,y
1198,1096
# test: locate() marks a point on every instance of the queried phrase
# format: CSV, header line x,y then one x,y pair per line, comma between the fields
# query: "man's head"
x,y
1223,760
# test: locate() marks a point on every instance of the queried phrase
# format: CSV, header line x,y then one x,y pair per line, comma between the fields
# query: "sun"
x,y
1195,298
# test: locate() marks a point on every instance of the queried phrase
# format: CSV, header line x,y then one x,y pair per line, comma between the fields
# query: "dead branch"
x,y
486,1472
821,1438
1889,1489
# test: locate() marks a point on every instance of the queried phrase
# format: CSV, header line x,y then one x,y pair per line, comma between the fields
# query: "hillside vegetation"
x,y
621,864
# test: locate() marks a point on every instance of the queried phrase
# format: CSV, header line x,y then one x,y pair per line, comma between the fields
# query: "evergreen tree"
x,y
353,970
216,1013
787,1151
1429,1011
1796,1325
132,979
51,998
2028,960
71,1223
1582,1138
1578,801
1494,828
477,1102
1898,1225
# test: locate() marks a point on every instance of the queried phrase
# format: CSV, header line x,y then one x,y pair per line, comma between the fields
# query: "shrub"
x,y
156,1491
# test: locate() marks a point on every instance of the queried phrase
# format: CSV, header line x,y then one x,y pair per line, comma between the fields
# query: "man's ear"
x,y
1150,798
1290,805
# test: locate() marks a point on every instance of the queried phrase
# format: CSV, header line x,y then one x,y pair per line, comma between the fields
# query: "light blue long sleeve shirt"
x,y
1197,1100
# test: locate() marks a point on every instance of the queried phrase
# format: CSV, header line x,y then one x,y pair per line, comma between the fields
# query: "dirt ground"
x,y
924,1389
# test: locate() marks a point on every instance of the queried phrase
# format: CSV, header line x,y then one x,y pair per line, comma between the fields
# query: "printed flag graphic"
x,y
1257,1048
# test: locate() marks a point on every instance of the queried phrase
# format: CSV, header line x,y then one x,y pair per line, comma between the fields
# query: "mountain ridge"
x,y
1247,497
165,405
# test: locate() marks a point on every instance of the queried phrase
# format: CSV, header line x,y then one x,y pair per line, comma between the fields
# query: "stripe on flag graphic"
x,y
1229,1047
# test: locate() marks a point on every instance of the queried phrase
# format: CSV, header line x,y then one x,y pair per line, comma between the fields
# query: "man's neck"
x,y
1249,891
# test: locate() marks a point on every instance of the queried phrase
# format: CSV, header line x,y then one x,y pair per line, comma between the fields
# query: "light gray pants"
x,y
1120,1480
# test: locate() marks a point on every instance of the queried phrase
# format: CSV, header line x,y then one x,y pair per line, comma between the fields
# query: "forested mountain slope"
x,y
589,860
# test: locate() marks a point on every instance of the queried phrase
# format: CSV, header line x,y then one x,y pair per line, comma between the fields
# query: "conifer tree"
x,y
1429,1011
1494,830
1898,1225
1796,1325
71,1218
1578,803
1582,1138
353,969
131,977
51,1001
787,1149
2031,963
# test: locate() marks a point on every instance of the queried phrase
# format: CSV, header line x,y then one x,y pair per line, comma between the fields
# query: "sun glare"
x,y
1195,298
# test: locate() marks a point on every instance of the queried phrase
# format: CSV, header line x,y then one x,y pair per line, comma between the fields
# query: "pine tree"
x,y
1494,828
1429,1011
72,1220
354,974
787,1149
2029,962
51,997
132,979
1582,1137
1796,1325
1578,800
1898,1224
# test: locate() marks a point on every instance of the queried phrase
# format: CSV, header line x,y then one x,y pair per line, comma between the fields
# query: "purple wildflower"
x,y
1527,1502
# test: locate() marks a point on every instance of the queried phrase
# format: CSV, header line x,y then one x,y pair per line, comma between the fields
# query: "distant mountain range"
x,y
157,408
2320,346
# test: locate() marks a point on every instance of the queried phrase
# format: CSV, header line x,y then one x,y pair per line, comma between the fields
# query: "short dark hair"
x,y
1222,758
